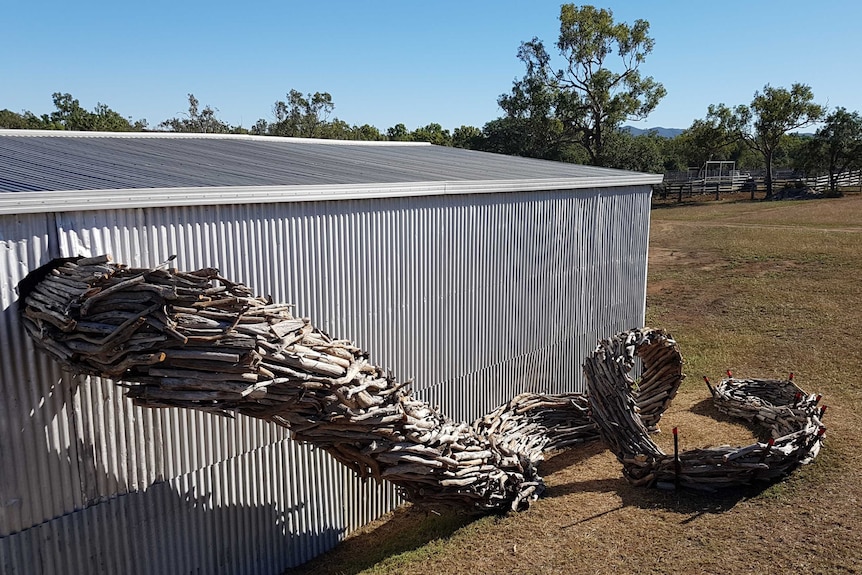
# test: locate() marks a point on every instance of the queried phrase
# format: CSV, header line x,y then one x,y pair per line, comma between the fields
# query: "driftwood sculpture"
x,y
791,416
200,341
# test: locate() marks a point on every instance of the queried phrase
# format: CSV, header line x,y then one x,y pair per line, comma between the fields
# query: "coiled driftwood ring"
x,y
792,417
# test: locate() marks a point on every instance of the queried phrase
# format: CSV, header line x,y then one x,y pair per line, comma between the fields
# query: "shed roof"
x,y
63,171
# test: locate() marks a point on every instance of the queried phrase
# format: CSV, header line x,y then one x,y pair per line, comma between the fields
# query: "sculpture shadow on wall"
x,y
94,524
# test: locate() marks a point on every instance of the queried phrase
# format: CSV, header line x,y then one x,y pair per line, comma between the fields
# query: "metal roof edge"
x,y
198,136
83,200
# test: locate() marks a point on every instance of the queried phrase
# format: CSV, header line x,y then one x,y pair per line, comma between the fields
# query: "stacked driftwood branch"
x,y
779,405
613,394
198,340
534,423
791,415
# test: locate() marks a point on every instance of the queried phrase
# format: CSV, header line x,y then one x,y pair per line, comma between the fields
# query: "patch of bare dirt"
x,y
680,257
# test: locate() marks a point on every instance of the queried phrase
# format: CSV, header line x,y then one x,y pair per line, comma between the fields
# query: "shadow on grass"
x,y
707,408
688,502
671,203
691,503
569,457
407,529
667,205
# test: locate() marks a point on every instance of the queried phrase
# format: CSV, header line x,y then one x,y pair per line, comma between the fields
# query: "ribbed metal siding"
x,y
257,514
476,297
29,396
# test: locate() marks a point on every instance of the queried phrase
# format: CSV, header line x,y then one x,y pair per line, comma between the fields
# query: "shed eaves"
x,y
33,164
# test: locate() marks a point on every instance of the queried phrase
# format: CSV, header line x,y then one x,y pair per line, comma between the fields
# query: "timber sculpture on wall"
x,y
200,341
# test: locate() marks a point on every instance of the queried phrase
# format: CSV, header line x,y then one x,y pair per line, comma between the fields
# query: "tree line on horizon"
x,y
574,113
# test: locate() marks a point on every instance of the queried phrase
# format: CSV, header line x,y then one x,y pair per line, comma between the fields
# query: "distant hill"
x,y
663,132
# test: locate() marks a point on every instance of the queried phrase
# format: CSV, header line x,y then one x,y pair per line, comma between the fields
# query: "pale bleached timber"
x,y
200,341
791,416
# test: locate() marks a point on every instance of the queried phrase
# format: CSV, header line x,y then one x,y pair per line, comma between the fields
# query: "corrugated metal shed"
x,y
478,275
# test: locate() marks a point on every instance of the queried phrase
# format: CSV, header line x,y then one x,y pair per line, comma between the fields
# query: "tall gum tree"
x,y
587,96
197,120
836,147
302,116
707,139
771,114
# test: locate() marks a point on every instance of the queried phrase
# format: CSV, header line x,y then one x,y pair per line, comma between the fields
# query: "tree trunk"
x,y
834,172
768,158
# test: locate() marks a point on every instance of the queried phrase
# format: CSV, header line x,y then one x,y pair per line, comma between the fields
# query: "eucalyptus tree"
x,y
598,87
366,132
469,137
771,114
303,116
515,136
432,133
836,146
68,114
709,138
641,153
398,133
26,120
197,120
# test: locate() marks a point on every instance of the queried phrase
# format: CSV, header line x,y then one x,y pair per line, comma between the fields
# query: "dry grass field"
x,y
760,288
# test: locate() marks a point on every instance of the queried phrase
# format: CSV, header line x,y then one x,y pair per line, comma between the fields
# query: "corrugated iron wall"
x,y
475,297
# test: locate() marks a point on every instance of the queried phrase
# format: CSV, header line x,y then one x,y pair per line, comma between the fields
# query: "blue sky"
x,y
389,62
